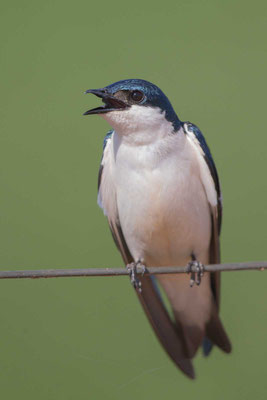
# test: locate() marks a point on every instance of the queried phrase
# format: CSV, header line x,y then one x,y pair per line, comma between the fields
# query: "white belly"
x,y
163,211
164,220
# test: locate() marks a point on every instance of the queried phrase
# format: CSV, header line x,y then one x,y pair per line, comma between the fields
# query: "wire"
x,y
73,272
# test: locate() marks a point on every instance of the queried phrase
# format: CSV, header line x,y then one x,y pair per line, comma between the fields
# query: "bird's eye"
x,y
137,96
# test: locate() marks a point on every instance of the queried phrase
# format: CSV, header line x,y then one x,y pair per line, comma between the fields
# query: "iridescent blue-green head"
x,y
136,100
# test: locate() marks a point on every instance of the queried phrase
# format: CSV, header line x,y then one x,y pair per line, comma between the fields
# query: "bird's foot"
x,y
196,269
132,269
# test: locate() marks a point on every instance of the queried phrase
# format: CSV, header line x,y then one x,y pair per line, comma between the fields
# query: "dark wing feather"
x,y
166,331
209,160
216,214
214,329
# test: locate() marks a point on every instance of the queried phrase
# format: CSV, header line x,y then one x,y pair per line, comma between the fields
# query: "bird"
x,y
159,189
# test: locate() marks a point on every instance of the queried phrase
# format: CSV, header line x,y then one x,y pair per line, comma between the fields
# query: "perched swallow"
x,y
159,188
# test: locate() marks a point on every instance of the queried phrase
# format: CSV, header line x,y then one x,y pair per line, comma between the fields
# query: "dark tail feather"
x,y
216,333
164,328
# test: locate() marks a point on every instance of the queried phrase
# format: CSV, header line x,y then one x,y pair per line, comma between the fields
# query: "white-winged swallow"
x,y
159,188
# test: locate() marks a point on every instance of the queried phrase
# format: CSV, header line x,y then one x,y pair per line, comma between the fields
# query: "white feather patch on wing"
x,y
106,198
205,174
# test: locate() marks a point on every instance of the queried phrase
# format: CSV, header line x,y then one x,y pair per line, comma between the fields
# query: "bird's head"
x,y
134,105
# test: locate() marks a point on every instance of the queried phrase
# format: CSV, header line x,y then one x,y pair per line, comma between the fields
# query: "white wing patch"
x,y
205,174
106,198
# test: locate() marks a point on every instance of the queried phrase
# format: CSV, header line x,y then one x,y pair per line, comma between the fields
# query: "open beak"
x,y
111,103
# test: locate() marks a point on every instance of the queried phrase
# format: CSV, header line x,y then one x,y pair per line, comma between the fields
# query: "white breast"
x,y
158,193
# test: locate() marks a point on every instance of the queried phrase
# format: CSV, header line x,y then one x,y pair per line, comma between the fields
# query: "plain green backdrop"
x,y
88,338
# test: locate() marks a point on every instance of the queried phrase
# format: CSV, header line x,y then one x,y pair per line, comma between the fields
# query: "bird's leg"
x,y
132,269
196,269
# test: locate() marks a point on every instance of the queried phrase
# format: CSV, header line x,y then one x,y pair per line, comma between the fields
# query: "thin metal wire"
x,y
73,272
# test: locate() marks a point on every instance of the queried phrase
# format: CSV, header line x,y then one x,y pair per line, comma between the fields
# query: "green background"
x,y
88,338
